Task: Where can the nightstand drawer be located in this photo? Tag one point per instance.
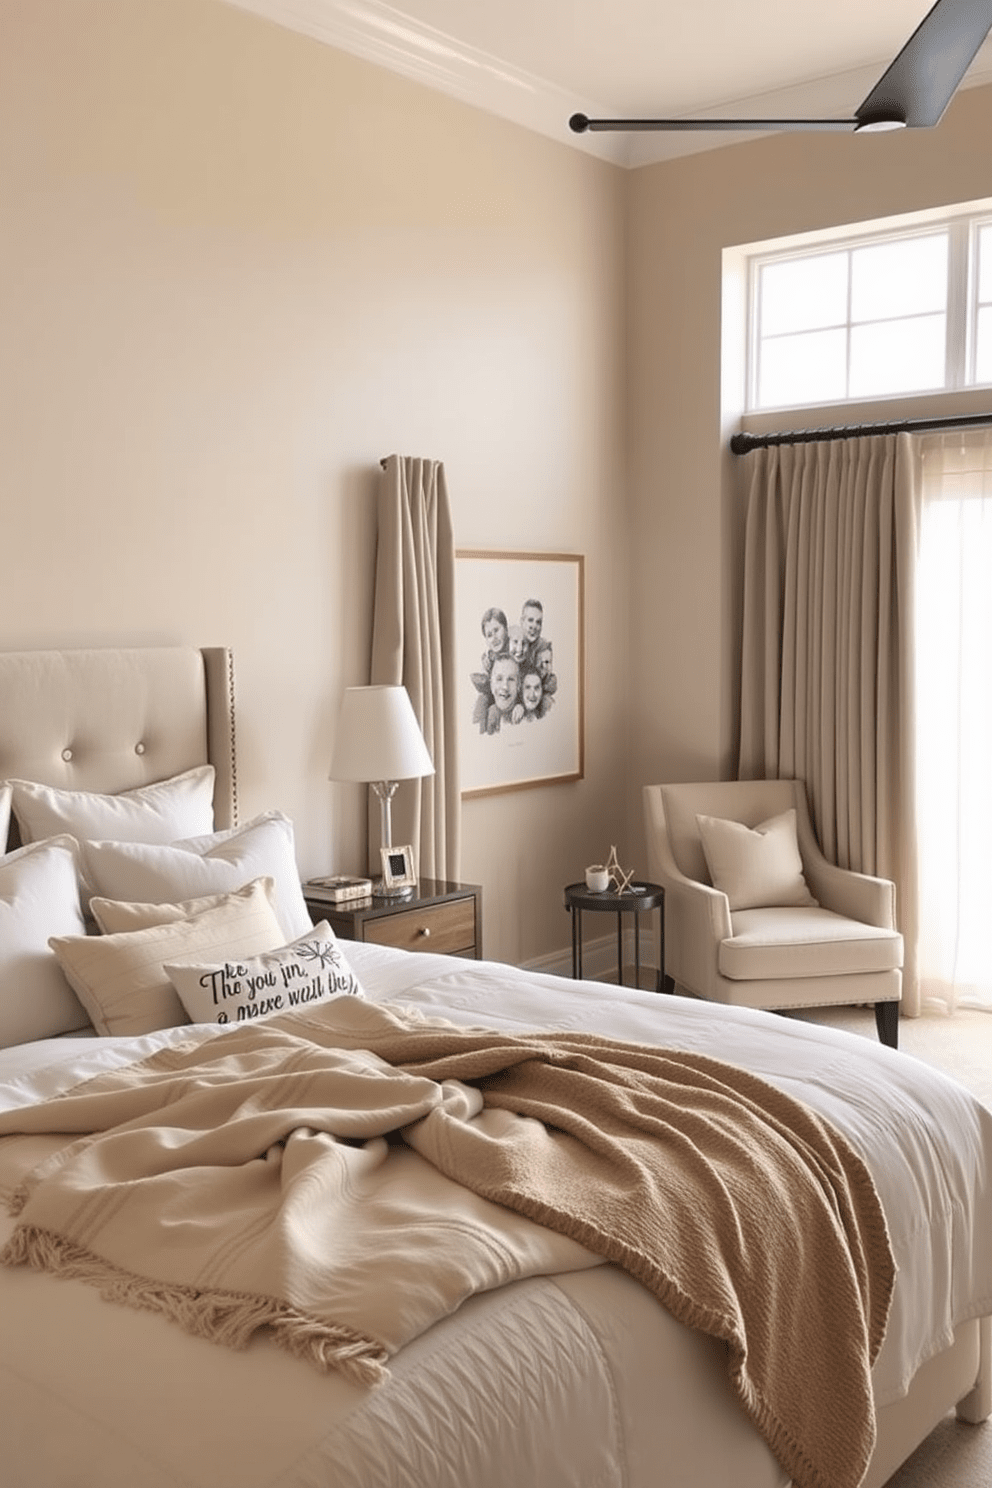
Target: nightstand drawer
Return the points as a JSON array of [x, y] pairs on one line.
[[442, 928]]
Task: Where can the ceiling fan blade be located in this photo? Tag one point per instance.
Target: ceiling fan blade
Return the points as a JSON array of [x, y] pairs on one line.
[[914, 90], [580, 123], [920, 83]]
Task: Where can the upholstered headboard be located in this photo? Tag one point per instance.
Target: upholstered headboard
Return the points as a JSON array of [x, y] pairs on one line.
[[111, 720]]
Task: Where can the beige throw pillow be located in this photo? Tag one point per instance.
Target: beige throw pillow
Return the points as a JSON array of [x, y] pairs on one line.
[[114, 915], [756, 867], [121, 981]]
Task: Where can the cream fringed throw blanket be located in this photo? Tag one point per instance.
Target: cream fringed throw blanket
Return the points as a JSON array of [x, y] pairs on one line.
[[281, 1176]]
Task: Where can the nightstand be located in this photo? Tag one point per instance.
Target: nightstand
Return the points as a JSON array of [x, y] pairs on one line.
[[442, 917]]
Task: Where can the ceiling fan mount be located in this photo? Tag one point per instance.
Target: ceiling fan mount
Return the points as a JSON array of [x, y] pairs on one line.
[[912, 93]]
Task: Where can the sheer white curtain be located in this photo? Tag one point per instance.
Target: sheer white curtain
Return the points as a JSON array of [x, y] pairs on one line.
[[954, 731]]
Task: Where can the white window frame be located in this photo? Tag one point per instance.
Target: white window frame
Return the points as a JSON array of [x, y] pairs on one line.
[[962, 227]]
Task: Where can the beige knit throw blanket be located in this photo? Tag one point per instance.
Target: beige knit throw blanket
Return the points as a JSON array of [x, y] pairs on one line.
[[334, 1176]]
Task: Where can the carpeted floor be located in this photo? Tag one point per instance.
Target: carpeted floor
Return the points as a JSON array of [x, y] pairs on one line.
[[955, 1455]]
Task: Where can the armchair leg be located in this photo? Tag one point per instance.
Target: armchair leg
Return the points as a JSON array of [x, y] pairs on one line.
[[887, 1023]]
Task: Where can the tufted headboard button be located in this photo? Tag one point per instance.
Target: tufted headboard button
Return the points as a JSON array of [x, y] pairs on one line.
[[67, 755], [139, 748]]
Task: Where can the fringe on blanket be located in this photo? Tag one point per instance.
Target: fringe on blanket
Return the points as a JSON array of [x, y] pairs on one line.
[[229, 1318]]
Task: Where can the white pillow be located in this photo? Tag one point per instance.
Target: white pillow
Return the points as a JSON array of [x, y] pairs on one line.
[[756, 867], [161, 812], [39, 897], [215, 864], [4, 816], [312, 969], [121, 980]]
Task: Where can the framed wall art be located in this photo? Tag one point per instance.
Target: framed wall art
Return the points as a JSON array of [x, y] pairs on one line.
[[520, 652]]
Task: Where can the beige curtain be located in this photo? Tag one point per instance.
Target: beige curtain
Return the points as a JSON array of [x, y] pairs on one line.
[[413, 643], [827, 666]]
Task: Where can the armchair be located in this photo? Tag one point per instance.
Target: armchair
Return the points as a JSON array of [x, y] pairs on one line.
[[839, 946]]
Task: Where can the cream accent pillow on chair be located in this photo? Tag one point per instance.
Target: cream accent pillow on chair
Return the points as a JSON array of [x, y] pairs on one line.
[[756, 867]]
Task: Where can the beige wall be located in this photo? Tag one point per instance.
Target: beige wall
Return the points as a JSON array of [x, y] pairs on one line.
[[685, 505], [236, 268]]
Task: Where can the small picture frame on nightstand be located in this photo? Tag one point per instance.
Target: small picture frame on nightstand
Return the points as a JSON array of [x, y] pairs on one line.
[[397, 869]]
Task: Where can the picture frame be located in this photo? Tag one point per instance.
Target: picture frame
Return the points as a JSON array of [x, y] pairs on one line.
[[398, 870], [520, 660]]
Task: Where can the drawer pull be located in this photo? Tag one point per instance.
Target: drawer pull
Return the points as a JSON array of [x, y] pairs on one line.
[[425, 931]]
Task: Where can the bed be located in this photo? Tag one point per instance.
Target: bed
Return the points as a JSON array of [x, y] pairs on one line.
[[568, 1373]]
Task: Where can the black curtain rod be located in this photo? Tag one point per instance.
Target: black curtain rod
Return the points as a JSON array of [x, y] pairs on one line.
[[740, 444]]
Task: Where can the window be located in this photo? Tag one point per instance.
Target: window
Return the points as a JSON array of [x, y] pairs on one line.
[[873, 316]]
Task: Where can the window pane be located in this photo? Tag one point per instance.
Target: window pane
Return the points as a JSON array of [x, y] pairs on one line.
[[983, 345], [898, 356], [800, 294], [802, 369], [985, 264], [906, 277]]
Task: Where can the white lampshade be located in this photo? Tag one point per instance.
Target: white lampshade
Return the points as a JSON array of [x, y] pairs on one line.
[[378, 737]]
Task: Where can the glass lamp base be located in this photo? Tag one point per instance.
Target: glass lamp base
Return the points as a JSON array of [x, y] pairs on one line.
[[380, 890]]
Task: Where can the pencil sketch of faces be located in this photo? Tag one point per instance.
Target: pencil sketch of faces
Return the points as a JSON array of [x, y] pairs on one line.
[[505, 682], [517, 680], [531, 691]]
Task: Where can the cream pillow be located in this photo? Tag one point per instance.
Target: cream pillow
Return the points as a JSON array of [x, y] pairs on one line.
[[756, 867], [39, 897], [121, 981], [215, 864], [113, 915], [161, 812], [310, 970]]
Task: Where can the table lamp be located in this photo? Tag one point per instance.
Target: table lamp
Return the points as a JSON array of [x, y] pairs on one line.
[[379, 742]]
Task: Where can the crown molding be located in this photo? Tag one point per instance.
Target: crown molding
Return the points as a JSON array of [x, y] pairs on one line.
[[383, 35]]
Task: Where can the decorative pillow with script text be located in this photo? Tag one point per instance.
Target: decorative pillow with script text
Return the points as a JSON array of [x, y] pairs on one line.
[[311, 969]]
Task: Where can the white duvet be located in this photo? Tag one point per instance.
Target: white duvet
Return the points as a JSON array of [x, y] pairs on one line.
[[571, 1380]]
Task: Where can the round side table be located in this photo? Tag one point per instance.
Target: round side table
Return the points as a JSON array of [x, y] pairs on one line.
[[637, 899]]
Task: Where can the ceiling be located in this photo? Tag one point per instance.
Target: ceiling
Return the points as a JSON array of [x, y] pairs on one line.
[[538, 61]]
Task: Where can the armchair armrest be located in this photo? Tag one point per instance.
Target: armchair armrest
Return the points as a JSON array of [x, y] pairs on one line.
[[858, 896], [697, 919]]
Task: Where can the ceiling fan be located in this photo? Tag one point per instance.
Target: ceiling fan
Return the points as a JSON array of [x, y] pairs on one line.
[[912, 92]]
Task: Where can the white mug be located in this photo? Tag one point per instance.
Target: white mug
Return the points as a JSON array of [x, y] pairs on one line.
[[597, 878]]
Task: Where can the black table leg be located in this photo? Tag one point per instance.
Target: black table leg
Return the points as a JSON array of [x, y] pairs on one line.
[[620, 947], [637, 951], [576, 943]]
